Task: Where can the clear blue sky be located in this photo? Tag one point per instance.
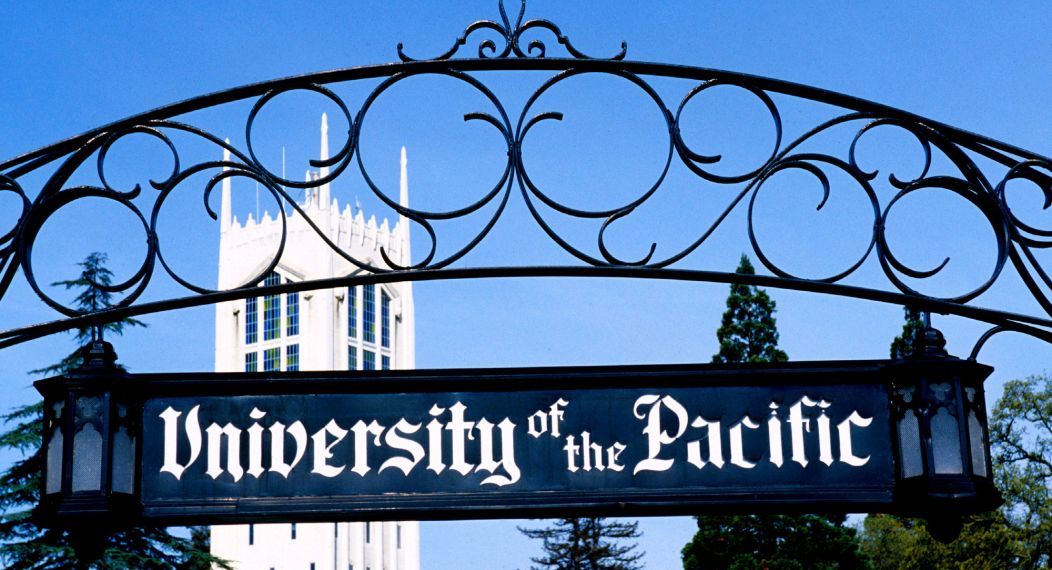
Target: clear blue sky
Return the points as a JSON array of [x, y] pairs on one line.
[[983, 67]]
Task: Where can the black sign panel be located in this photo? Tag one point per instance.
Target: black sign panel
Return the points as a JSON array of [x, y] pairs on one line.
[[469, 444]]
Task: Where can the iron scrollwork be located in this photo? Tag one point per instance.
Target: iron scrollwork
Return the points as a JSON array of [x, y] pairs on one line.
[[1016, 241], [512, 33]]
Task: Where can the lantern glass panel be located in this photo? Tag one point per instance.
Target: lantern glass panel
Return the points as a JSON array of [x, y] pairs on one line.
[[976, 435], [53, 484], [911, 459], [123, 472], [946, 443], [87, 445], [909, 445], [87, 459], [54, 463], [975, 441]]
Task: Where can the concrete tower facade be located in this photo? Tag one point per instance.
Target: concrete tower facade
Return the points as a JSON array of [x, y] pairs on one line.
[[357, 328]]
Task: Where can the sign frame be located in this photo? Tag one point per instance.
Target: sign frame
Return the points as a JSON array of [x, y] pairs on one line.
[[918, 496]]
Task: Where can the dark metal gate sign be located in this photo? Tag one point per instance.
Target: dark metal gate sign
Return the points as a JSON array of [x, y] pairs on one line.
[[516, 442]]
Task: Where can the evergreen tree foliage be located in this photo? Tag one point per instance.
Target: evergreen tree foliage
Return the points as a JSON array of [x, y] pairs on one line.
[[24, 544], [773, 542], [902, 346], [198, 556], [748, 333], [590, 543]]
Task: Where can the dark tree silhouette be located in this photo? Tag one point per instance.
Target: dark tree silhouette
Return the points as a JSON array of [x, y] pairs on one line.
[[749, 333], [591, 543], [902, 345], [24, 545]]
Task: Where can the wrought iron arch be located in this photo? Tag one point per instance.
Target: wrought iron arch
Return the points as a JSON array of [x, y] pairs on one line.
[[981, 184]]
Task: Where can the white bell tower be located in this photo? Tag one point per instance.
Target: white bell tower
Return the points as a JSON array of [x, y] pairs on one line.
[[361, 328]]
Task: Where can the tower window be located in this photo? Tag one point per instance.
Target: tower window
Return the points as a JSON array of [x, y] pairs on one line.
[[385, 362], [368, 360], [251, 534], [293, 531], [369, 313], [251, 362], [272, 359], [352, 312], [352, 357], [398, 536], [272, 310], [385, 319], [368, 532], [251, 320], [292, 314], [292, 357]]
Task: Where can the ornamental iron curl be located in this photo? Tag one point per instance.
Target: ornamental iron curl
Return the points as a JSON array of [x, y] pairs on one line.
[[983, 190], [512, 36]]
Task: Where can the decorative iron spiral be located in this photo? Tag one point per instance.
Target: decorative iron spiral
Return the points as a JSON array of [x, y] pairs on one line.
[[1016, 241]]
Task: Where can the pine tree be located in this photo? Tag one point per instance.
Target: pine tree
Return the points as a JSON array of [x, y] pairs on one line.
[[590, 543], [902, 345], [748, 333], [24, 544]]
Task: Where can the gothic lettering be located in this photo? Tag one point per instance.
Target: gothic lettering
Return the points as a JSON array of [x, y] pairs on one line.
[[664, 433], [171, 440], [656, 434]]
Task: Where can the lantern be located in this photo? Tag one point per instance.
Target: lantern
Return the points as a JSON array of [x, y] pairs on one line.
[[940, 430], [89, 444]]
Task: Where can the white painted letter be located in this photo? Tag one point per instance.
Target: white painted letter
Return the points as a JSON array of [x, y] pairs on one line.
[[171, 440], [395, 441], [434, 441], [774, 435], [537, 424], [591, 453], [656, 436], [233, 450], [556, 415], [737, 448], [798, 424], [571, 454], [825, 440], [715, 444], [612, 454], [361, 444], [846, 454], [507, 453], [277, 447], [255, 444], [323, 450], [461, 431]]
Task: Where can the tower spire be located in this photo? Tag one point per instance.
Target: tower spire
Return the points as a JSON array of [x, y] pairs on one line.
[[403, 201], [224, 203], [324, 155], [406, 341], [403, 182]]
